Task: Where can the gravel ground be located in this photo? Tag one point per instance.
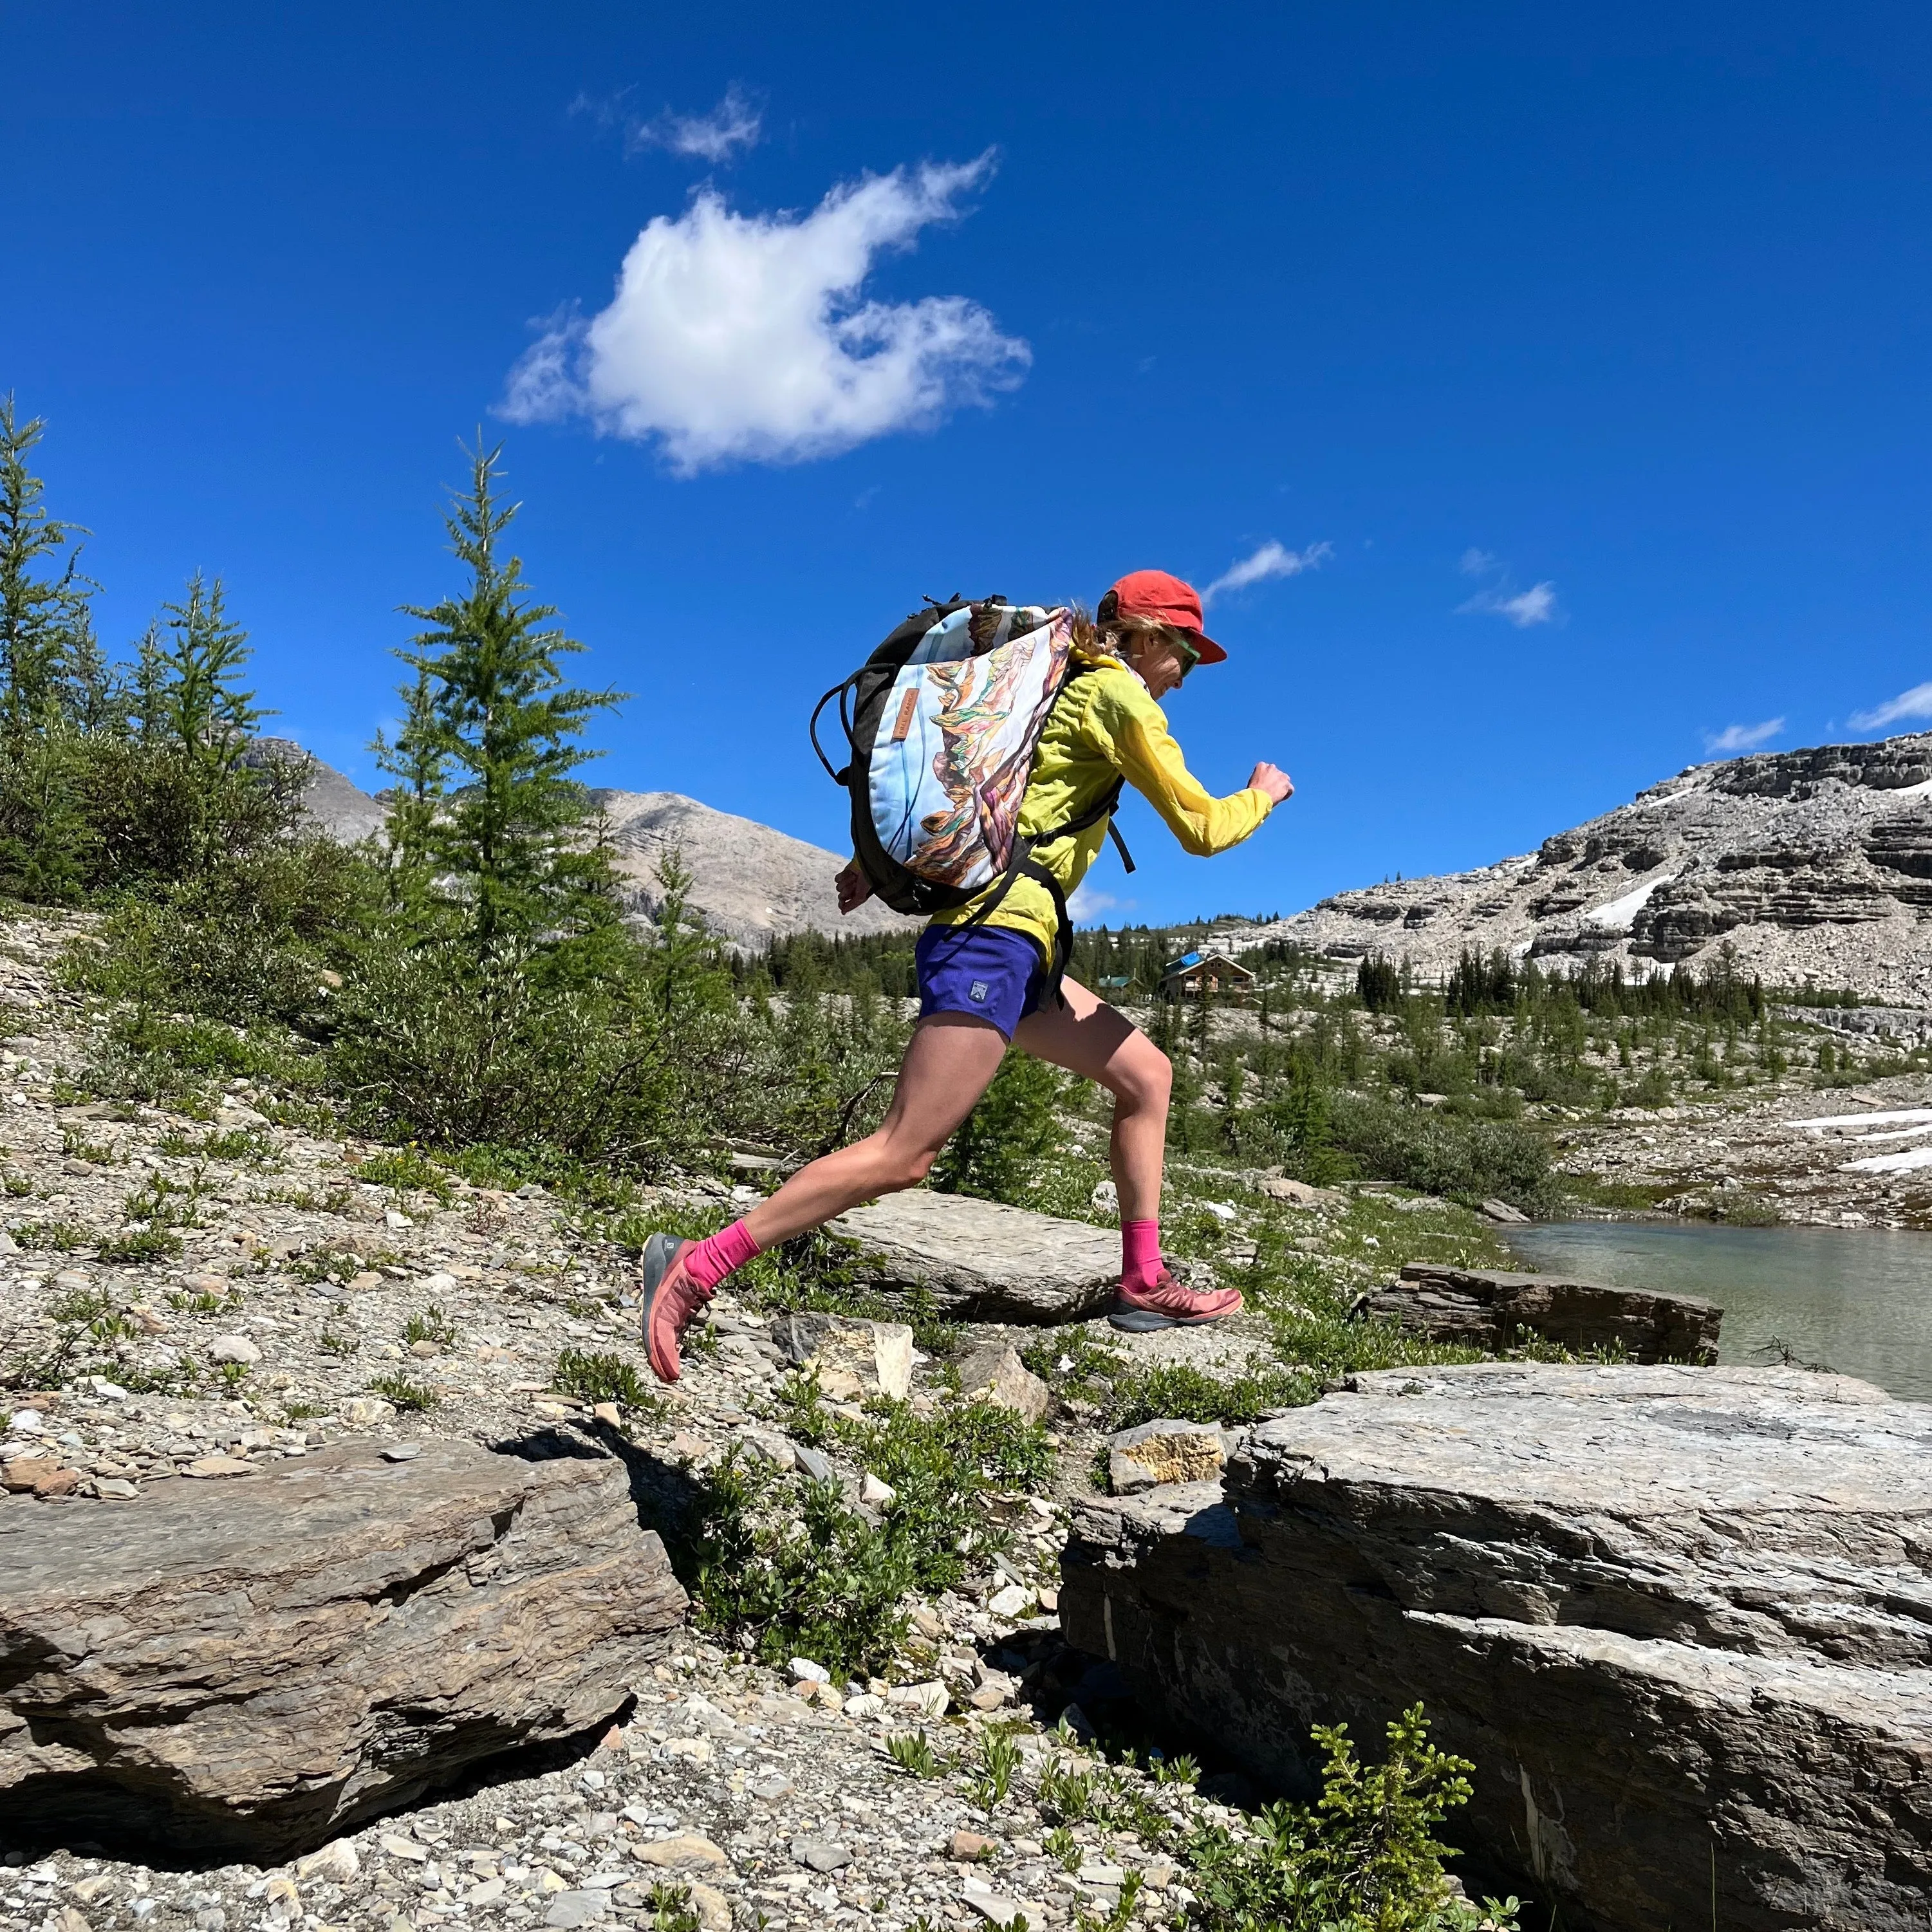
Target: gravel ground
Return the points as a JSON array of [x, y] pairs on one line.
[[772, 1798]]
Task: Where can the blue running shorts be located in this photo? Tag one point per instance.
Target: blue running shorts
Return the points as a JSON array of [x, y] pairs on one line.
[[986, 971]]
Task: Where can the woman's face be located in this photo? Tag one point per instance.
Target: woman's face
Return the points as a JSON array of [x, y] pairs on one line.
[[1161, 667]]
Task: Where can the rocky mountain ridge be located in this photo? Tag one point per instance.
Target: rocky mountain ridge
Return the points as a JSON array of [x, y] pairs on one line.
[[751, 884], [1809, 865]]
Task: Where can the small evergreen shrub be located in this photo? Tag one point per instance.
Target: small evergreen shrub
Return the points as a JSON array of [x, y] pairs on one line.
[[1364, 1858]]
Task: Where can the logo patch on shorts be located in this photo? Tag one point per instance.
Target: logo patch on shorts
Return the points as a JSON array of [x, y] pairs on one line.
[[977, 992]]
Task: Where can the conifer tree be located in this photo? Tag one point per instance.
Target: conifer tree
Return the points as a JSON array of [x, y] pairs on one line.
[[492, 711], [194, 700], [45, 634], [416, 760]]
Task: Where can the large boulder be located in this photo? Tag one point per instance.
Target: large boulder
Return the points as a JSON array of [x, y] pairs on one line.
[[1489, 1308], [1679, 1618], [981, 1261], [245, 1668]]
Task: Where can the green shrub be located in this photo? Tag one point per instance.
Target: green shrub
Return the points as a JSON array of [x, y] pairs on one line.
[[1441, 1153], [57, 1237], [785, 1566], [1184, 1394], [431, 1325], [595, 1378], [942, 1467], [410, 1397], [832, 1589], [151, 1244], [1364, 1858], [404, 1168]]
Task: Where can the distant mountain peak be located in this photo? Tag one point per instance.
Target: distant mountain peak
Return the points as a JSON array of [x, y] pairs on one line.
[[750, 884], [1809, 864]]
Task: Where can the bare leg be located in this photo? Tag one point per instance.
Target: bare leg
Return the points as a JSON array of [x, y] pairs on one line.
[[950, 1063], [1092, 1039]]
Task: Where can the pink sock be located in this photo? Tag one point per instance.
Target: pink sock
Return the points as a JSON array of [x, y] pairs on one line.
[[718, 1255], [1140, 1252]]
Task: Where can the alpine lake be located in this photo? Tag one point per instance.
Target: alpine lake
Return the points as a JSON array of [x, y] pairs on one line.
[[1856, 1300]]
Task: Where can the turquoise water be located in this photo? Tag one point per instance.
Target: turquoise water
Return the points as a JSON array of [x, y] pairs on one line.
[[1857, 1300]]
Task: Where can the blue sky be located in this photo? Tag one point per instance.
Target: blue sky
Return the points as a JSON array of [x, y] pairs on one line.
[[1578, 354]]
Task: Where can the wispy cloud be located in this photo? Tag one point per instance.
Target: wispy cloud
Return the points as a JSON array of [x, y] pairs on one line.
[[747, 338], [1087, 905], [1271, 560], [1736, 738], [1916, 703], [1500, 597], [737, 121]]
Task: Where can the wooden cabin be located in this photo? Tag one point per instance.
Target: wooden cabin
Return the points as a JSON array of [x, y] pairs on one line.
[[1207, 975]]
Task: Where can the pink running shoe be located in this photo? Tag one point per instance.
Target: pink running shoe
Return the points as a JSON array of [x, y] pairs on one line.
[[1164, 1303], [671, 1298]]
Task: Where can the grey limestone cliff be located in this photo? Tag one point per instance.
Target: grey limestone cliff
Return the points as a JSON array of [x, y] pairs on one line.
[[1808, 864]]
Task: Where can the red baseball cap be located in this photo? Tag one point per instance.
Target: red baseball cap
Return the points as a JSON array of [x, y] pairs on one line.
[[1167, 600]]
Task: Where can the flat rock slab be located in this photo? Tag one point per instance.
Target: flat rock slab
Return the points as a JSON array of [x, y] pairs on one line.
[[981, 1261], [1489, 1308], [1668, 1612], [246, 1668]]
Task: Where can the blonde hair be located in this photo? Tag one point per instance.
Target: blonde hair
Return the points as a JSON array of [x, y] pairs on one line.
[[1106, 634]]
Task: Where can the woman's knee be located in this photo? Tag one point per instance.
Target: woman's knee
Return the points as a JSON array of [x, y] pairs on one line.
[[1142, 1076]]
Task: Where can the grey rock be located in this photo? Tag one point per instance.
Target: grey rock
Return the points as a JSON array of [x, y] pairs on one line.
[[983, 1261], [247, 1669], [815, 1463], [997, 1909], [1501, 1210], [571, 1909], [853, 1358], [821, 1854], [1155, 1452], [1664, 1609], [1487, 1308], [994, 1372]]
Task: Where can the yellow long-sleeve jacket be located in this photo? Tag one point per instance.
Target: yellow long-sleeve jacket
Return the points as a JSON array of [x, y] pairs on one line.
[[1105, 725]]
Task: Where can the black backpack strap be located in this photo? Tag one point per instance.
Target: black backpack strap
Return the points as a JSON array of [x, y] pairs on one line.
[[1023, 865], [843, 692]]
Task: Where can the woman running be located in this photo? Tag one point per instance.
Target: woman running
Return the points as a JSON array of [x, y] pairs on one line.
[[986, 986]]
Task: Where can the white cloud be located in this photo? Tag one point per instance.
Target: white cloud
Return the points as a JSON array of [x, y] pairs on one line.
[[735, 122], [1522, 608], [1271, 560], [1736, 738], [1916, 703], [744, 337], [1536, 605], [1087, 903]]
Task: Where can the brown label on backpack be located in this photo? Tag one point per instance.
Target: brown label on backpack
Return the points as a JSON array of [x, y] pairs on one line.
[[908, 705]]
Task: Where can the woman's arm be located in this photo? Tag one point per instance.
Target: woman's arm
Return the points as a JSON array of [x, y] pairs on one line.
[[1132, 730]]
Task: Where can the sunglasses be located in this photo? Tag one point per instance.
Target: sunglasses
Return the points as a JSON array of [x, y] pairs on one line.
[[1189, 656]]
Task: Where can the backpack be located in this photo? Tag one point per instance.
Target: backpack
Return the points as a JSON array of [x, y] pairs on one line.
[[943, 720]]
